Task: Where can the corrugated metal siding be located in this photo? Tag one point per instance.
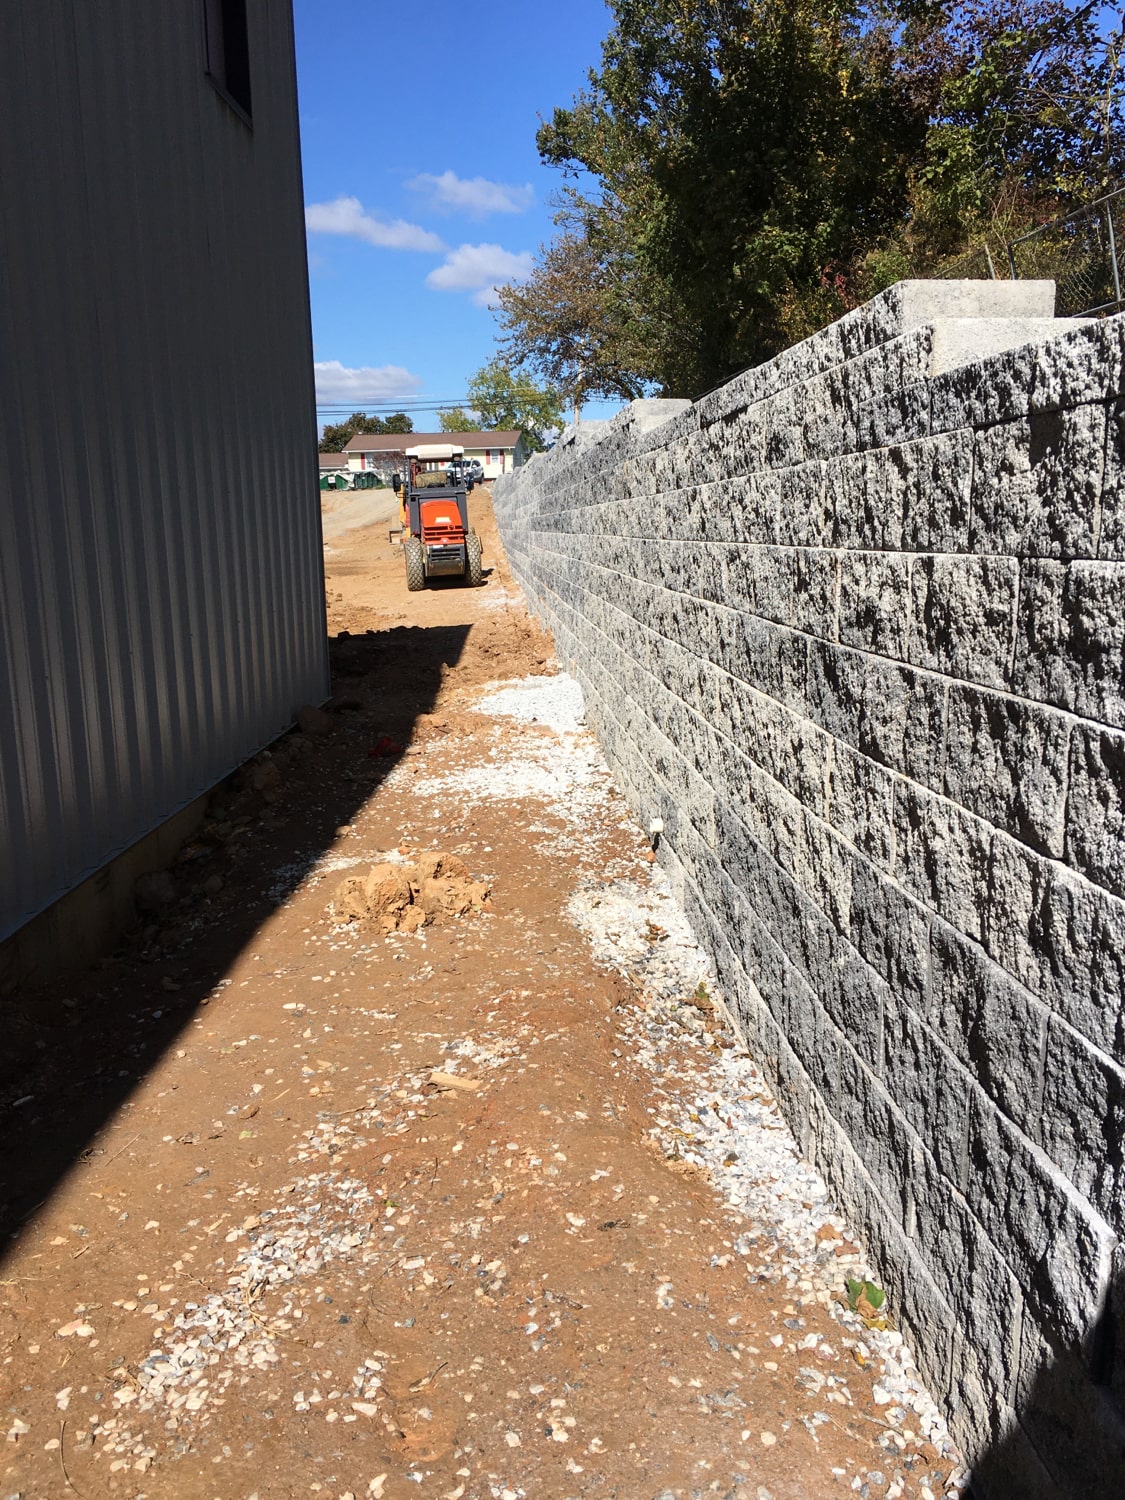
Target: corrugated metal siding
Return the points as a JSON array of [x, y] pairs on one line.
[[161, 585]]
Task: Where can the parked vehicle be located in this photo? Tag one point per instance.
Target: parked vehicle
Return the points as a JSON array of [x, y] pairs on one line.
[[434, 494]]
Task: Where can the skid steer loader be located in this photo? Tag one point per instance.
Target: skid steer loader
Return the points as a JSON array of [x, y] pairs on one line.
[[434, 495]]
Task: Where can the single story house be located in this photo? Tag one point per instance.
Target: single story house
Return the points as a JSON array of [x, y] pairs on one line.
[[385, 452], [333, 463]]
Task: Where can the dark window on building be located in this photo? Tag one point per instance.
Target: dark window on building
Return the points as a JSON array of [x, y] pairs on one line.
[[228, 50]]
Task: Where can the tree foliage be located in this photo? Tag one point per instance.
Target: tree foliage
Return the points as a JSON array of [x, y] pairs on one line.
[[457, 419], [569, 324], [506, 401], [1026, 118], [738, 172], [336, 434]]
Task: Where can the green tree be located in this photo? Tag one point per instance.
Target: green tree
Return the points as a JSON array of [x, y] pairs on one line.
[[739, 172], [336, 434], [457, 419], [740, 149], [565, 323], [509, 401], [1026, 118], [397, 422]]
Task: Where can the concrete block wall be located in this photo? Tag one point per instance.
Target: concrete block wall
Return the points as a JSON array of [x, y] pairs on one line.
[[853, 626]]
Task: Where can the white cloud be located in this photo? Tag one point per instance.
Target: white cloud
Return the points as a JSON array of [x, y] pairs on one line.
[[480, 269], [335, 382], [475, 196], [346, 216]]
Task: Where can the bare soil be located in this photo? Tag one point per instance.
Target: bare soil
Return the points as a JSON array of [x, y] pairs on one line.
[[308, 1208]]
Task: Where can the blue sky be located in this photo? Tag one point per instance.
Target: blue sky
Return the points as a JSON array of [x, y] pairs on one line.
[[422, 183]]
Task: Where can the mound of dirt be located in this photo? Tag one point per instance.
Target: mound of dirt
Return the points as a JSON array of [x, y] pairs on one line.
[[404, 897]]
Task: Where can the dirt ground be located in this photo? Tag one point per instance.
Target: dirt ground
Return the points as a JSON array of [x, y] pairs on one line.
[[305, 1207]]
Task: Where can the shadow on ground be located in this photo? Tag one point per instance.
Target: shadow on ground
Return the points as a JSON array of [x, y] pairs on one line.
[[74, 1050]]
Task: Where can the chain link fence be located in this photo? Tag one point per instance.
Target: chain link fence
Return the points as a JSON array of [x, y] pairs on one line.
[[1078, 252]]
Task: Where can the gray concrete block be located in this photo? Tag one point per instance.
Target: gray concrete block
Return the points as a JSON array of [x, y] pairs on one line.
[[815, 605], [1071, 637], [1052, 1240], [993, 390], [932, 1089], [888, 712], [771, 658], [824, 870], [646, 416], [762, 581], [892, 932], [894, 416], [863, 515], [963, 616], [1011, 1465], [1111, 535], [1013, 922], [1083, 1125], [1109, 1367], [875, 602], [860, 802], [856, 997], [930, 483], [1079, 935], [891, 1151], [973, 1278], [1006, 761], [942, 857], [805, 506], [1095, 809], [1037, 485], [1085, 364], [990, 1024]]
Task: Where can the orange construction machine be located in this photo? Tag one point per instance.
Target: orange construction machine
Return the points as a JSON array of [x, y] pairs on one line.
[[434, 495]]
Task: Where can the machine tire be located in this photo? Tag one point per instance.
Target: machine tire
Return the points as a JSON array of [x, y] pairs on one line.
[[474, 577], [415, 564]]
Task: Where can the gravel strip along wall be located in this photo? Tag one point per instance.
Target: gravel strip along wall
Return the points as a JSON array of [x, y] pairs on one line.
[[852, 627]]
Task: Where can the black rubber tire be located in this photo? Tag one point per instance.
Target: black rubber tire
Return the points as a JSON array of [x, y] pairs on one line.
[[474, 576], [415, 564]]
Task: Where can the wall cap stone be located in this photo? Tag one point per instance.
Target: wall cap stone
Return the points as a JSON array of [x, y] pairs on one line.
[[959, 341]]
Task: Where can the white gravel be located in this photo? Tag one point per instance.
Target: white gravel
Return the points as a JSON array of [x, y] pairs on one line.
[[556, 702]]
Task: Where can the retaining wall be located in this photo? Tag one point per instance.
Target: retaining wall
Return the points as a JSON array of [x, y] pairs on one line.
[[853, 626]]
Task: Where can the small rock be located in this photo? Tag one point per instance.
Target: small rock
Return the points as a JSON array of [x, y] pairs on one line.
[[156, 891], [265, 776], [78, 1328], [213, 885], [312, 720], [448, 1081]]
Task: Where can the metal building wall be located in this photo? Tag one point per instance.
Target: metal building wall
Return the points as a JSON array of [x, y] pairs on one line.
[[161, 585]]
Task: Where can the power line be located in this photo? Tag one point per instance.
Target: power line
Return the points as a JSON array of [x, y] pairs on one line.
[[357, 403]]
